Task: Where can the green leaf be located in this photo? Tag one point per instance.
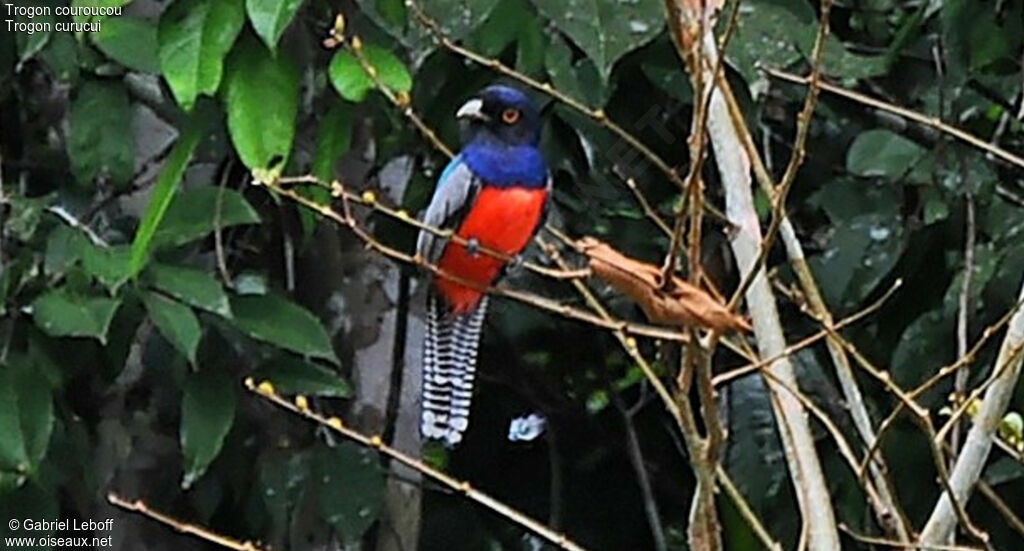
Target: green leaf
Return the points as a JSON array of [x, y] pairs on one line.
[[295, 376], [251, 283], [928, 342], [162, 196], [754, 456], [30, 44], [606, 30], [867, 240], [271, 17], [393, 11], [96, 4], [779, 33], [194, 287], [60, 314], [207, 412], [457, 19], [130, 41], [109, 265], [351, 489], [64, 247], [559, 66], [194, 37], [333, 139], [283, 323], [100, 142], [283, 478], [193, 214], [262, 103], [26, 214], [496, 32], [176, 322], [530, 50], [661, 66], [352, 81], [13, 455], [61, 55], [1003, 470], [26, 416], [881, 152]]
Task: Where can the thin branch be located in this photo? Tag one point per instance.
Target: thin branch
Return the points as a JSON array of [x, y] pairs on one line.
[[942, 373], [644, 203], [301, 408], [345, 218], [678, 406], [218, 237], [892, 517], [964, 308], [1005, 510], [899, 544], [922, 418], [745, 511], [636, 458], [740, 371], [139, 506], [692, 56], [70, 220], [369, 199], [971, 461], [796, 159], [932, 122], [808, 478]]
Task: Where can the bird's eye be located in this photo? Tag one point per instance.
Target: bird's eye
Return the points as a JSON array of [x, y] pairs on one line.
[[510, 116]]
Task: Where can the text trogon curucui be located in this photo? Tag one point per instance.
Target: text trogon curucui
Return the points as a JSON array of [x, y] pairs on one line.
[[493, 194]]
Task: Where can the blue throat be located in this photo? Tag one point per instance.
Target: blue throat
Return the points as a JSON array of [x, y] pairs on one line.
[[506, 166]]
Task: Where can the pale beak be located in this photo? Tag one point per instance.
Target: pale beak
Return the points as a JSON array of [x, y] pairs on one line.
[[472, 109]]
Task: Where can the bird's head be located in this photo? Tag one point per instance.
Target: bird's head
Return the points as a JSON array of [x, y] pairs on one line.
[[500, 113]]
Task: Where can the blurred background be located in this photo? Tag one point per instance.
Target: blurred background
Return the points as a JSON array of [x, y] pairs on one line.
[[144, 278]]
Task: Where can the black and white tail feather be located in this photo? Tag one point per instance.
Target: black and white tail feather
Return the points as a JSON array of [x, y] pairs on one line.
[[450, 347], [449, 369]]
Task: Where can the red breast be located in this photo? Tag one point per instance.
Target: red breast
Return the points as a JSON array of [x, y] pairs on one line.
[[501, 219]]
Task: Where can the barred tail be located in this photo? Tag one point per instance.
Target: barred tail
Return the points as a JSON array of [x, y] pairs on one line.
[[449, 368]]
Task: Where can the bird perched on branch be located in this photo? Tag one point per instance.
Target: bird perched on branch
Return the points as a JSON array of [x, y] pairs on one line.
[[493, 194]]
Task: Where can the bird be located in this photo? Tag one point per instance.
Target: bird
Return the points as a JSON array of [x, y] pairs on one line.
[[494, 195]]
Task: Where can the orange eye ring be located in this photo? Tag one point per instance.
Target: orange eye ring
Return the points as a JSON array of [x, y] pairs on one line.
[[510, 116]]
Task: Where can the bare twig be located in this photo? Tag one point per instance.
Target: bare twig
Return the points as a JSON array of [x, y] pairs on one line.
[[300, 407], [922, 418], [899, 544], [964, 307], [139, 506], [796, 159], [70, 220], [808, 478], [745, 511], [892, 517], [971, 460], [678, 406], [644, 203], [1004, 509], [932, 122], [636, 458], [218, 238]]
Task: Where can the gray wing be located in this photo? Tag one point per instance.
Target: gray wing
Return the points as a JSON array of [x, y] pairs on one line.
[[455, 193]]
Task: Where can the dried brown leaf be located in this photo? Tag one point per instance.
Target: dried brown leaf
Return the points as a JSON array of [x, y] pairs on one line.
[[682, 304]]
